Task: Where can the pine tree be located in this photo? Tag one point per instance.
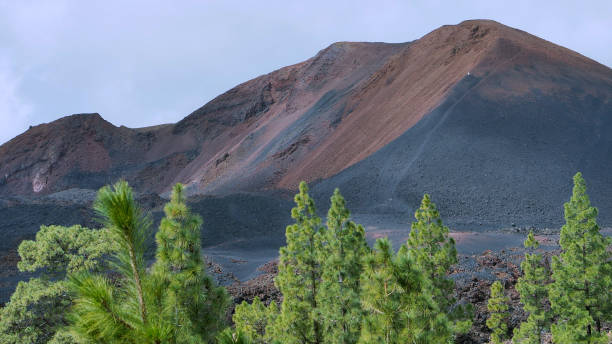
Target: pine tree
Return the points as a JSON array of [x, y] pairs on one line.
[[254, 320], [581, 294], [142, 307], [196, 306], [58, 250], [37, 309], [340, 308], [299, 275], [35, 312], [228, 336], [498, 313], [533, 289], [391, 289], [102, 312], [433, 253]]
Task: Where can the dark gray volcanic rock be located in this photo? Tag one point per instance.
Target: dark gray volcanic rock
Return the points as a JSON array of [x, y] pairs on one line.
[[243, 221], [20, 220], [491, 162], [236, 222]]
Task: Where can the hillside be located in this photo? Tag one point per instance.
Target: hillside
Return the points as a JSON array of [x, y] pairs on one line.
[[490, 120]]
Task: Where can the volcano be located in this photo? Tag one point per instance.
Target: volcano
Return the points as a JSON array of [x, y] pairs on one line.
[[490, 120]]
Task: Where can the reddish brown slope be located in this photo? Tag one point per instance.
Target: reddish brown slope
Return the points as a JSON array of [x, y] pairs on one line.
[[503, 145], [85, 151], [412, 83], [258, 131], [308, 121], [328, 113], [38, 158]]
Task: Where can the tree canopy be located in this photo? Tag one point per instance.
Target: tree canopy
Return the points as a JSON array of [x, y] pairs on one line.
[[581, 294], [162, 306], [36, 310]]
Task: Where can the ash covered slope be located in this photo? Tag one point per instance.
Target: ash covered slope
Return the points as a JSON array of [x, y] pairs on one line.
[[246, 139], [313, 120], [503, 146], [490, 120], [258, 135]]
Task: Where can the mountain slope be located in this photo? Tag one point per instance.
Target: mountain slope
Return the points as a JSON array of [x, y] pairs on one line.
[[489, 163], [502, 147], [491, 121], [481, 115], [255, 125], [85, 151]]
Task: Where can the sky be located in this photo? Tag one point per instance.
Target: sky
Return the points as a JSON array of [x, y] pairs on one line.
[[141, 63]]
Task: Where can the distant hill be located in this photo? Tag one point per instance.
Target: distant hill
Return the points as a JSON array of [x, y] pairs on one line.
[[490, 120]]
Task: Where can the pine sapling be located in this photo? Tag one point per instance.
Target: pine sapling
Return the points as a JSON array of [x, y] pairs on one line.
[[433, 252], [498, 313], [299, 275], [533, 290], [342, 255]]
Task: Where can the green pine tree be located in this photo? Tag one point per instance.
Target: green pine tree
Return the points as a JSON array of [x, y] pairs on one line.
[[35, 312], [498, 313], [228, 336], [434, 252], [254, 320], [533, 289], [299, 275], [340, 308], [391, 292], [195, 305], [58, 250], [143, 307], [102, 311], [581, 294], [37, 309]]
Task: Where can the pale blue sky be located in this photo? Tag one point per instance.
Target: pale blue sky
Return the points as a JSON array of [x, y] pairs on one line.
[[151, 62]]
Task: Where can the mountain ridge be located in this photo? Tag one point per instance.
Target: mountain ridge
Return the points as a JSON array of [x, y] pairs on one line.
[[308, 121]]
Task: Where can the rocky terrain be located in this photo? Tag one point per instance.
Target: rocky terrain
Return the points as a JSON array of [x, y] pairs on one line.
[[489, 120]]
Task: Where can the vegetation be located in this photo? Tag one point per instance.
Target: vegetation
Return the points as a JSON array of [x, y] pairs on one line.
[[391, 289], [581, 294], [299, 275], [498, 313], [433, 253], [37, 308], [335, 288], [227, 336], [195, 305], [255, 319], [175, 303], [533, 289], [574, 297], [342, 262]]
